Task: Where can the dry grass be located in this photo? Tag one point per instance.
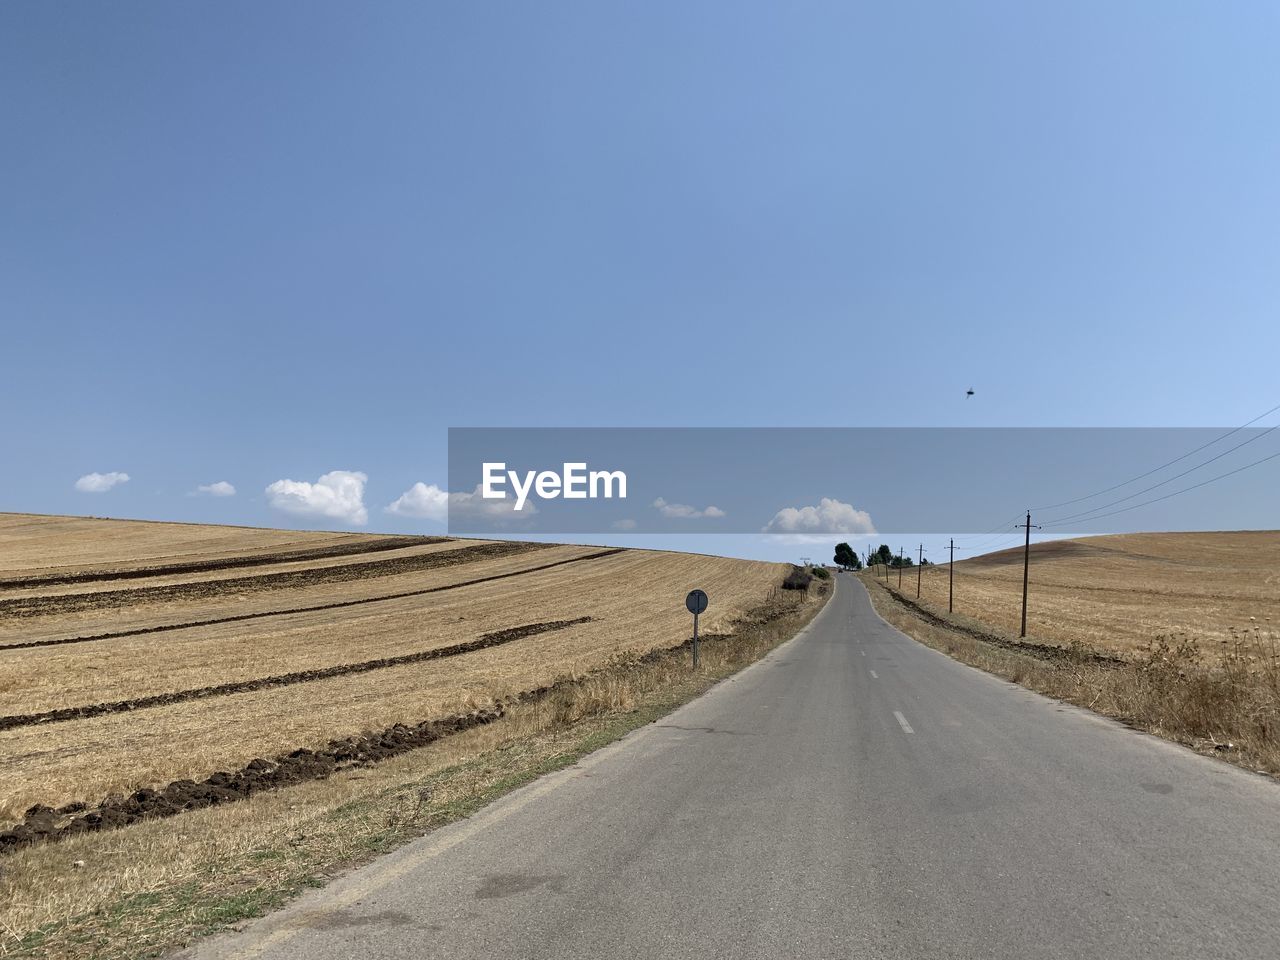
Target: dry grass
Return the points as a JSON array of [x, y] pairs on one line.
[[265, 565], [158, 884], [41, 544], [1222, 698], [635, 600], [147, 615], [1119, 593]]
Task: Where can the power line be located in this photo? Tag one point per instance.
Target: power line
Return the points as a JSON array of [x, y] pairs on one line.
[[996, 530], [1195, 486], [1026, 570], [1143, 476], [1177, 476], [987, 542]]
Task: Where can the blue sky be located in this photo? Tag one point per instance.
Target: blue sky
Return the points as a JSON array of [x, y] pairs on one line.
[[253, 242]]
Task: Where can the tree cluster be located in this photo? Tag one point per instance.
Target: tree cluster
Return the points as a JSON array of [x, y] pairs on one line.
[[847, 558]]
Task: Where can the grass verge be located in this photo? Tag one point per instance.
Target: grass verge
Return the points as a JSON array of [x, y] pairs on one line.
[[147, 889], [1227, 705]]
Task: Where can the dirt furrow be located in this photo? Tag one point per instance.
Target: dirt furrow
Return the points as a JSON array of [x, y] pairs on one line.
[[212, 566], [42, 823], [20, 607], [336, 605], [1041, 651], [494, 639]]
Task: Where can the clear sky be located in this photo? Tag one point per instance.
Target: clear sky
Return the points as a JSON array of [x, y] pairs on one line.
[[252, 242]]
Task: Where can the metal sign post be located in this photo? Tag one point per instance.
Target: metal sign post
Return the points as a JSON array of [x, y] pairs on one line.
[[695, 603]]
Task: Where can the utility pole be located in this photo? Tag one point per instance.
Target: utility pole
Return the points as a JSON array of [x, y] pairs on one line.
[[901, 557], [919, 571], [951, 583], [1026, 566]]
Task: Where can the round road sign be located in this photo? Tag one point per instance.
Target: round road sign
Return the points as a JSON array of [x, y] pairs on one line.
[[696, 601]]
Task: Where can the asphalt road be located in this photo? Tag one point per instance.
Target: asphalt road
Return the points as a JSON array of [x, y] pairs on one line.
[[855, 794]]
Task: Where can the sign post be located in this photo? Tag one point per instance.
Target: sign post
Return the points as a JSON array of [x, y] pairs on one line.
[[695, 603]]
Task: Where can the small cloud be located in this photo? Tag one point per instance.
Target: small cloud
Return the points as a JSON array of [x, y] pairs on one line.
[[422, 501], [219, 489], [623, 525], [683, 511], [338, 495], [474, 506], [100, 482], [426, 501], [829, 516]]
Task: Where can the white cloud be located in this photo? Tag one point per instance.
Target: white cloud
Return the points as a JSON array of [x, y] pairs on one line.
[[100, 482], [829, 516], [464, 506], [338, 495], [683, 511], [219, 489], [623, 525], [810, 539], [426, 501], [422, 501]]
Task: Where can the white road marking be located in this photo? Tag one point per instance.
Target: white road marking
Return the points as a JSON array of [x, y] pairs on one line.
[[902, 721], [874, 675]]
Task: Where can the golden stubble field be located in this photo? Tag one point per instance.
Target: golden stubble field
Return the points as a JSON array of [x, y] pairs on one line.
[[180, 607], [1121, 593]]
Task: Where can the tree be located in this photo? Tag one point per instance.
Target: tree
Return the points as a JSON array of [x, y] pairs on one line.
[[882, 555], [845, 558]]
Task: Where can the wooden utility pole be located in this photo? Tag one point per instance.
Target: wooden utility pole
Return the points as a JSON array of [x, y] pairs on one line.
[[902, 556], [919, 571], [951, 581], [1026, 567]]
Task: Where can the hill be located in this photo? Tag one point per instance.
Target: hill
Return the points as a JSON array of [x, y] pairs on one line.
[[137, 654], [1121, 592]]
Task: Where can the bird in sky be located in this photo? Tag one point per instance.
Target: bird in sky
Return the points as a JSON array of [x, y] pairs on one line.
[[968, 393]]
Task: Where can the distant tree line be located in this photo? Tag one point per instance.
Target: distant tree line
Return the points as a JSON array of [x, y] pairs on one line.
[[883, 556], [847, 558]]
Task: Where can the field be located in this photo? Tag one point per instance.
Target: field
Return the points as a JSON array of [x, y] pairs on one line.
[[138, 654], [1120, 594], [1173, 633]]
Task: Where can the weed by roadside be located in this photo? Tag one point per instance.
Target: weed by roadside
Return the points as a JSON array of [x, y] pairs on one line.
[[1227, 705], [139, 892]]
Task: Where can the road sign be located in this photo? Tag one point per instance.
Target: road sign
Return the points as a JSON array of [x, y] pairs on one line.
[[696, 602]]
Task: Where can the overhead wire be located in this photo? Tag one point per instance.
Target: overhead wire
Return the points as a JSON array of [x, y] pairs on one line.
[[1167, 496], [1153, 470]]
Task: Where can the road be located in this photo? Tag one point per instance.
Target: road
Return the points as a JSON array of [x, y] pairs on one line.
[[855, 794]]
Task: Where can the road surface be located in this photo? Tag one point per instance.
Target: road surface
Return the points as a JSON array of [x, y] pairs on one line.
[[855, 794]]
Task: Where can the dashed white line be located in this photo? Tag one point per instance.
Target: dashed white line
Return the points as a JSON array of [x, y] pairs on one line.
[[874, 675], [902, 721]]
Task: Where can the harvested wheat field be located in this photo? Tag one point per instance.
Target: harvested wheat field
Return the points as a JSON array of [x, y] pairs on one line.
[[136, 654], [1121, 593]]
